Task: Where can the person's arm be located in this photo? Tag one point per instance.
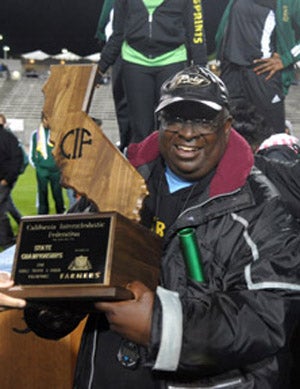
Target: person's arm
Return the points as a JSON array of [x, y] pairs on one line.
[[112, 48], [286, 178], [287, 41], [131, 318], [32, 149], [238, 316], [233, 319], [103, 20], [195, 33], [288, 32], [270, 65], [15, 160]]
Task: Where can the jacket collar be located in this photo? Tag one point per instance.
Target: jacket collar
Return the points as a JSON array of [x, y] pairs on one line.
[[231, 173]]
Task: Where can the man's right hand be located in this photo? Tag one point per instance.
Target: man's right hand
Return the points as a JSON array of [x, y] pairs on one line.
[[270, 65]]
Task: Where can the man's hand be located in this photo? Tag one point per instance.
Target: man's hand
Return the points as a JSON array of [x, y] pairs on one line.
[[98, 78], [131, 318], [271, 65], [7, 302]]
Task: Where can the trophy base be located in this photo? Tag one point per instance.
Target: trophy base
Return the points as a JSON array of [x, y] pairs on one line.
[[87, 257], [88, 293]]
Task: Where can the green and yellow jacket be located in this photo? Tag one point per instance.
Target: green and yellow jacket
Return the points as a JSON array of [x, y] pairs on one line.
[[287, 36]]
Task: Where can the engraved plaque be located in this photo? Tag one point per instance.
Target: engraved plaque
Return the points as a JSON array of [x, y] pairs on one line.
[[83, 257]]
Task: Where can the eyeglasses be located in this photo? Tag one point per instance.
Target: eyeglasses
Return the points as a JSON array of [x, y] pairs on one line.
[[201, 127]]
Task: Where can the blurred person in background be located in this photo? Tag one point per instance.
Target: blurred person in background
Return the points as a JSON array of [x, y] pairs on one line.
[[258, 43], [11, 160], [156, 39], [47, 172], [103, 32]]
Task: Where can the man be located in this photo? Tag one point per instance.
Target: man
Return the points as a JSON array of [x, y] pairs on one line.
[[231, 330], [11, 160], [258, 43], [41, 158]]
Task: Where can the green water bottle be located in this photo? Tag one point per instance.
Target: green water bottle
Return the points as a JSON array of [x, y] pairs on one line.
[[191, 253]]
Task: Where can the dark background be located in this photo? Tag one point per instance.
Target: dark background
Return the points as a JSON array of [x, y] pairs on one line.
[[51, 25]]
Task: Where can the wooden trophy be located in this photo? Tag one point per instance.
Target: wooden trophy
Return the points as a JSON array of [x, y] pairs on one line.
[[85, 256]]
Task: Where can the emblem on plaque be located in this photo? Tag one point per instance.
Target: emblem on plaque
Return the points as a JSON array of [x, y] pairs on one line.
[[80, 263]]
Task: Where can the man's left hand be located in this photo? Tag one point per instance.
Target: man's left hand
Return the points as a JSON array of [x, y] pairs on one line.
[[131, 318], [270, 65], [8, 302]]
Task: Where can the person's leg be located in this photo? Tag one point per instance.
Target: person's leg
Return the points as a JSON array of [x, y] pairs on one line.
[[139, 82], [120, 102], [267, 96], [42, 183], [231, 75], [6, 233], [163, 73], [13, 210], [57, 192]]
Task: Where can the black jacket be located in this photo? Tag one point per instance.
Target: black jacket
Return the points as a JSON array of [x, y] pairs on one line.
[[11, 157], [233, 329], [286, 177], [175, 22]]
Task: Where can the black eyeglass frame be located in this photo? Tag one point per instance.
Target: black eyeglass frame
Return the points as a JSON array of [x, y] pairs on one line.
[[176, 124]]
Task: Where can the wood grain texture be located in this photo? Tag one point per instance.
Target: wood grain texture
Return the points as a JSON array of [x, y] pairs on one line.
[[30, 362], [89, 162]]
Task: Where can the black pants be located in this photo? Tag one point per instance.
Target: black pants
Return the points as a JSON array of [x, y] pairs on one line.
[[121, 105], [142, 87], [266, 96], [6, 232]]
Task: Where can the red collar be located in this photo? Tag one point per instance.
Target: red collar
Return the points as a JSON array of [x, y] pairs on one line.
[[232, 171]]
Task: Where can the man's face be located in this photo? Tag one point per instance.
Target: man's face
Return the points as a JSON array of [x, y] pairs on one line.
[[189, 153]]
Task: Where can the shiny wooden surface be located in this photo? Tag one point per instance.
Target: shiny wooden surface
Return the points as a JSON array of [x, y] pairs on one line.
[[89, 162], [30, 362]]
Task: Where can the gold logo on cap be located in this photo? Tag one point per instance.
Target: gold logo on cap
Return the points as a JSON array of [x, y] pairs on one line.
[[189, 79]]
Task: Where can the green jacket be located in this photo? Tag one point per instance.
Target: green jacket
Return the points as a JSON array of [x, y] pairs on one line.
[[103, 20], [287, 36], [37, 160]]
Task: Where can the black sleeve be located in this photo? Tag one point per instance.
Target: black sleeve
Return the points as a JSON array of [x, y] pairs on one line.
[[195, 34], [286, 177], [112, 48], [15, 161]]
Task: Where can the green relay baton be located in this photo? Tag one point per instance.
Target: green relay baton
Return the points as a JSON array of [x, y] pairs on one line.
[[191, 253]]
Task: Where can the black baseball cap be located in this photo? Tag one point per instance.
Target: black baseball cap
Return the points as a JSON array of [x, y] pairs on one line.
[[194, 84]]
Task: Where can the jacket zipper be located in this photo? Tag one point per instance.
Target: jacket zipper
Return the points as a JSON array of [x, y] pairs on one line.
[[150, 20], [208, 200], [171, 230]]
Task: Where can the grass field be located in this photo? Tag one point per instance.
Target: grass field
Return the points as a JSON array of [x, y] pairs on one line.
[[24, 195]]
